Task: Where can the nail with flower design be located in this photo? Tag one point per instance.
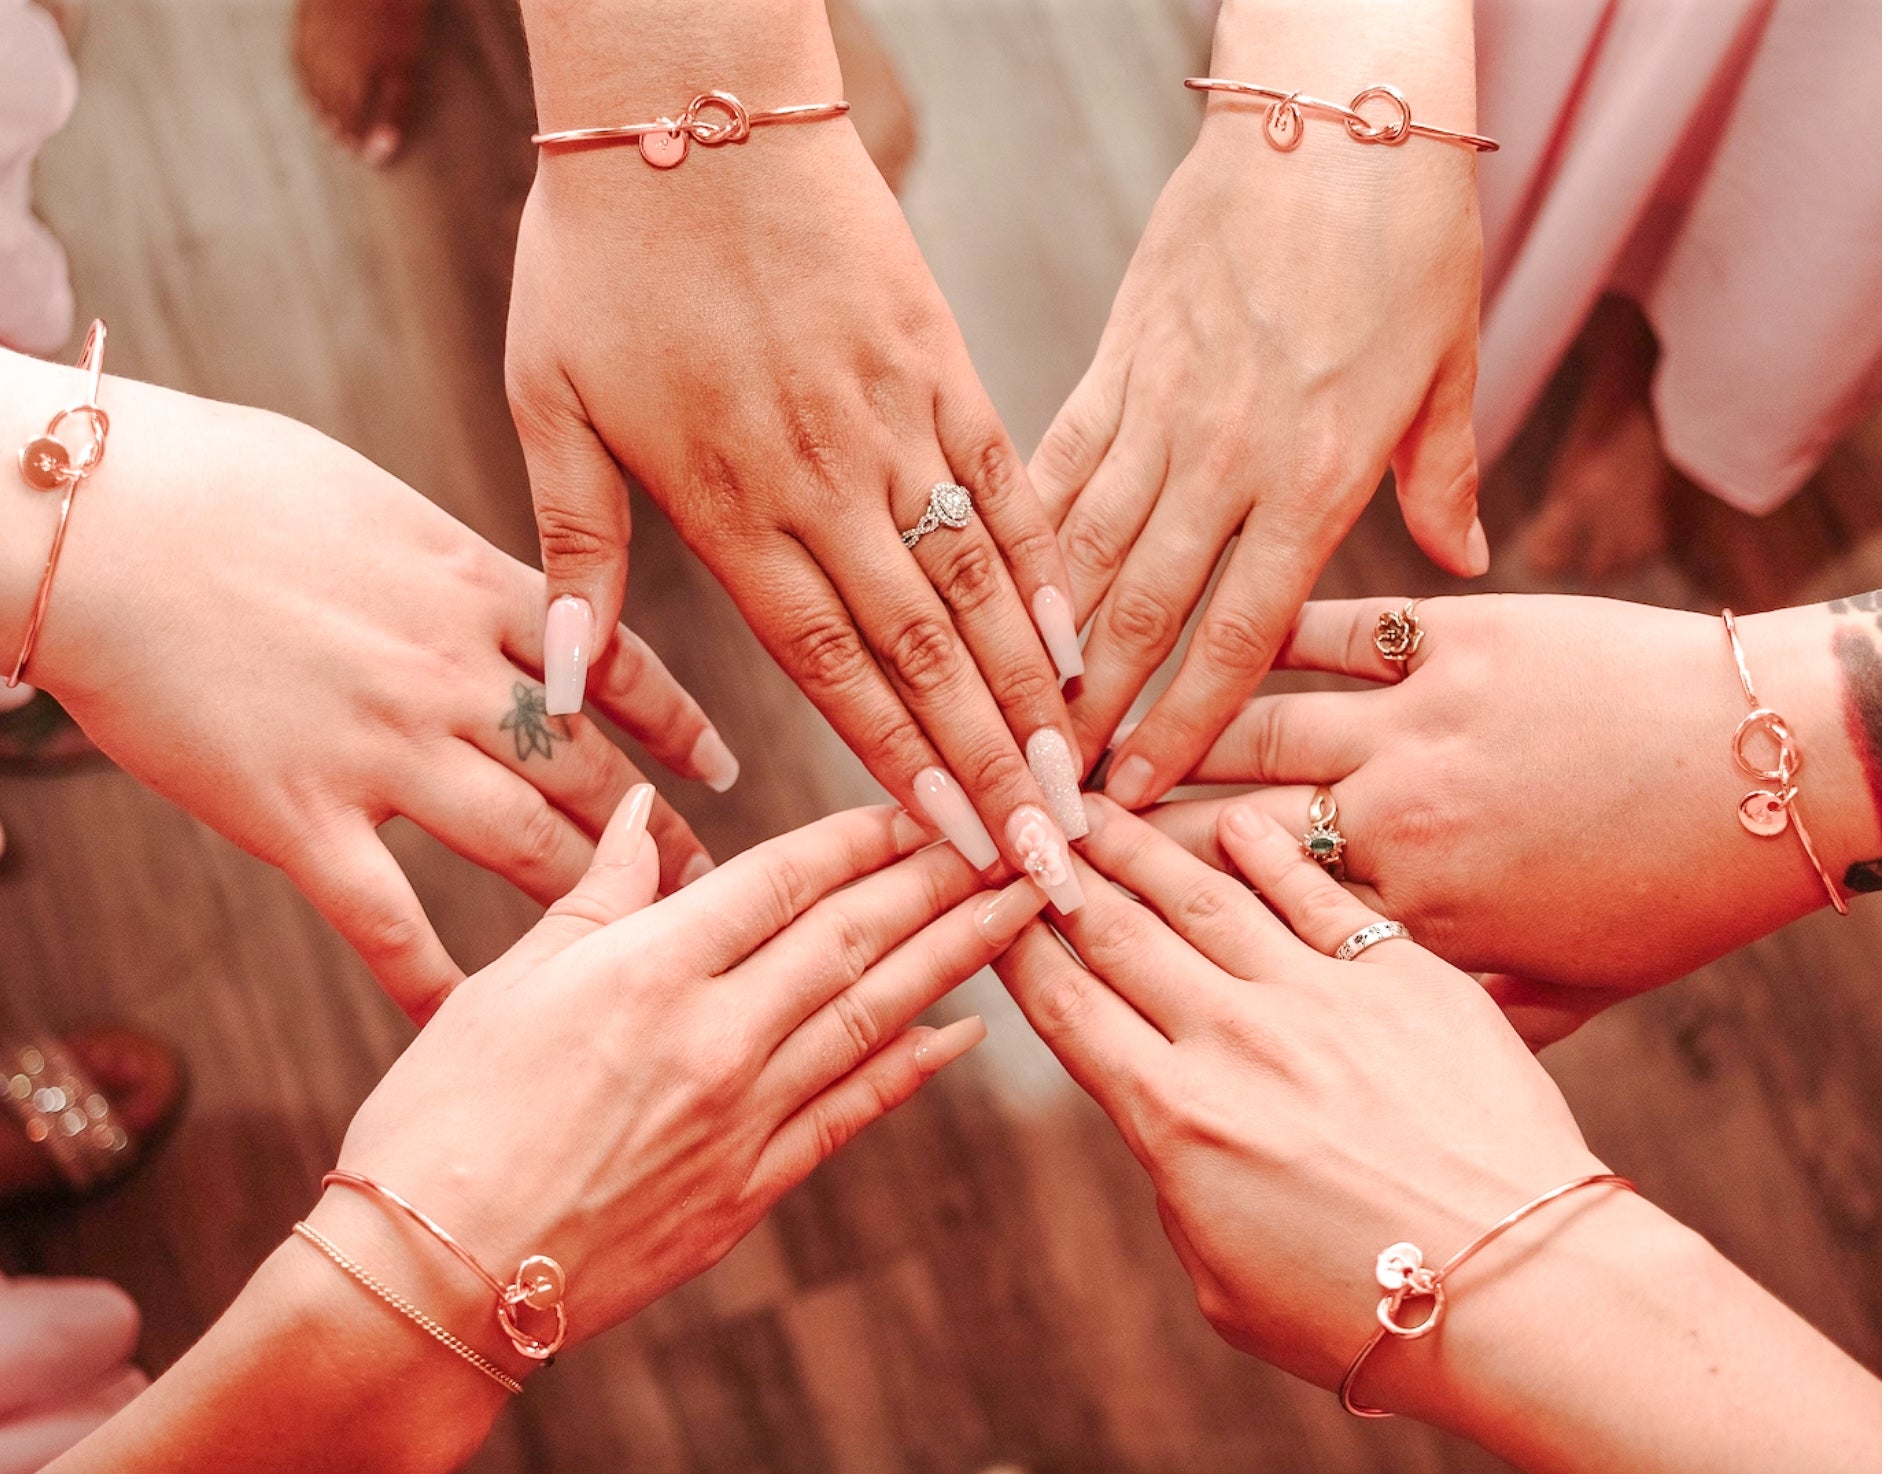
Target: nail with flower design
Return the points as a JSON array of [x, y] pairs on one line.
[[1045, 856]]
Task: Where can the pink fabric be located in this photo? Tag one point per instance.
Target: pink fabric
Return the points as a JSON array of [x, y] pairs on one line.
[[65, 1348], [38, 88], [1715, 160]]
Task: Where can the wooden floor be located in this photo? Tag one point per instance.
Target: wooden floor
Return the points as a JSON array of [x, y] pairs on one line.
[[982, 1278]]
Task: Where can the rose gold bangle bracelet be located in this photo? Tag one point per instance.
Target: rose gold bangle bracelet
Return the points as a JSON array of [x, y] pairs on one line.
[[1768, 812], [712, 120], [540, 1282], [1402, 1274], [1283, 122], [48, 464]]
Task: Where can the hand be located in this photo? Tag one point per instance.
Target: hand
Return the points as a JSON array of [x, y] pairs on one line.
[[1290, 324], [632, 1087], [1295, 1114], [1549, 793], [295, 647], [754, 336]]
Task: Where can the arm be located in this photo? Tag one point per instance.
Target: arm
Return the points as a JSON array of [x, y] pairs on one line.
[[754, 337], [1298, 1114], [295, 646], [1291, 324]]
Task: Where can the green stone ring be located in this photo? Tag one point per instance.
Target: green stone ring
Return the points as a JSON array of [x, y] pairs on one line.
[[1323, 843]]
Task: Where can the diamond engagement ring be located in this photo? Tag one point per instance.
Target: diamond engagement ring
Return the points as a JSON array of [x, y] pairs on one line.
[[1371, 936], [949, 506]]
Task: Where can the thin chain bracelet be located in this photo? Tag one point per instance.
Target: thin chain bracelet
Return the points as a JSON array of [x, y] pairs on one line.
[[1284, 125], [1768, 812], [1402, 1273], [410, 1311], [712, 120]]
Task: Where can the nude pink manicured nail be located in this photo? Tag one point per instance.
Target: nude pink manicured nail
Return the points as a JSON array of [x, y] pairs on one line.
[[696, 868], [947, 808], [568, 635], [714, 762], [1052, 612], [1129, 786], [945, 1045], [1003, 915], [1049, 756], [1045, 856]]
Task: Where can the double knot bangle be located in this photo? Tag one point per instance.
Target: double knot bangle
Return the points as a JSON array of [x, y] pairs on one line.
[[1284, 122], [1769, 810], [539, 1285], [1402, 1273], [712, 120], [47, 463]]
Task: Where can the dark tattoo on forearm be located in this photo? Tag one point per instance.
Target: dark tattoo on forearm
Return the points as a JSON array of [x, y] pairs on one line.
[[530, 724], [1857, 653]]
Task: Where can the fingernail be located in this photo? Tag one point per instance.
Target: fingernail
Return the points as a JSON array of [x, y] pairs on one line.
[[1240, 819], [1049, 756], [910, 834], [1477, 549], [1052, 612], [568, 632], [380, 145], [945, 1045], [620, 841], [713, 761], [940, 798], [1043, 855], [1093, 806], [1131, 781], [694, 868], [1003, 916]]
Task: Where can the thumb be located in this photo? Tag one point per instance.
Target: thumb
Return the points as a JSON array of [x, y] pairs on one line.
[[584, 526], [1436, 469], [623, 878]]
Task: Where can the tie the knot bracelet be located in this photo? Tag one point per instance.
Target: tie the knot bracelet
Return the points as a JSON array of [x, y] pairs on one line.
[[712, 120], [1283, 124], [1402, 1273], [1768, 811]]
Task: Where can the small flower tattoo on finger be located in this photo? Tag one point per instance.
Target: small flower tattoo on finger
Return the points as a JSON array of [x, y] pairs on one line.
[[529, 724]]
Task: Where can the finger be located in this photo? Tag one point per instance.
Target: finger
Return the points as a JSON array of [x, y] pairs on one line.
[[1546, 1013], [940, 957], [983, 457], [730, 913], [496, 819], [1098, 531], [582, 521], [1436, 470], [877, 1086], [1338, 635], [1109, 1048], [1138, 623], [1300, 737], [1193, 823], [818, 959], [909, 628], [352, 880], [622, 878], [1267, 578], [1215, 914], [964, 566], [1079, 437], [1322, 913]]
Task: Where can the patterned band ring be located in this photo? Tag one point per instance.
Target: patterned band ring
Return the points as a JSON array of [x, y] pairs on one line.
[[1371, 936], [949, 506]]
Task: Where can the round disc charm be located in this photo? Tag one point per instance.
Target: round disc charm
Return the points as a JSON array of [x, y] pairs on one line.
[[1283, 126], [1764, 813], [544, 1282], [45, 463], [664, 150], [1395, 1265]]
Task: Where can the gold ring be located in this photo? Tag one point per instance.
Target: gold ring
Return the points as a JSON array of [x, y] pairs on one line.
[[1323, 843], [1398, 634]]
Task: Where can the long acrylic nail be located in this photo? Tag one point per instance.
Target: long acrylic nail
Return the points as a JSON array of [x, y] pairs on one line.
[[1049, 756], [713, 761], [568, 634], [946, 807], [945, 1045], [1004, 914], [1044, 855], [1130, 782], [910, 833], [620, 841], [1052, 612], [1477, 549]]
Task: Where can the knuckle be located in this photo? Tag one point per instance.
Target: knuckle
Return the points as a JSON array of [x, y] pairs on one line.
[[994, 471], [1142, 619], [390, 937], [859, 1021], [1205, 902], [570, 534], [827, 653], [538, 837], [1029, 686], [1236, 640], [1064, 1002], [996, 769], [1323, 909], [852, 948], [969, 577], [1073, 443], [1092, 545], [923, 653], [1118, 936], [1033, 546], [786, 888]]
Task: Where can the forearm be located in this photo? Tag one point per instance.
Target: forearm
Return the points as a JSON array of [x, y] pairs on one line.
[[1607, 1336], [308, 1371]]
